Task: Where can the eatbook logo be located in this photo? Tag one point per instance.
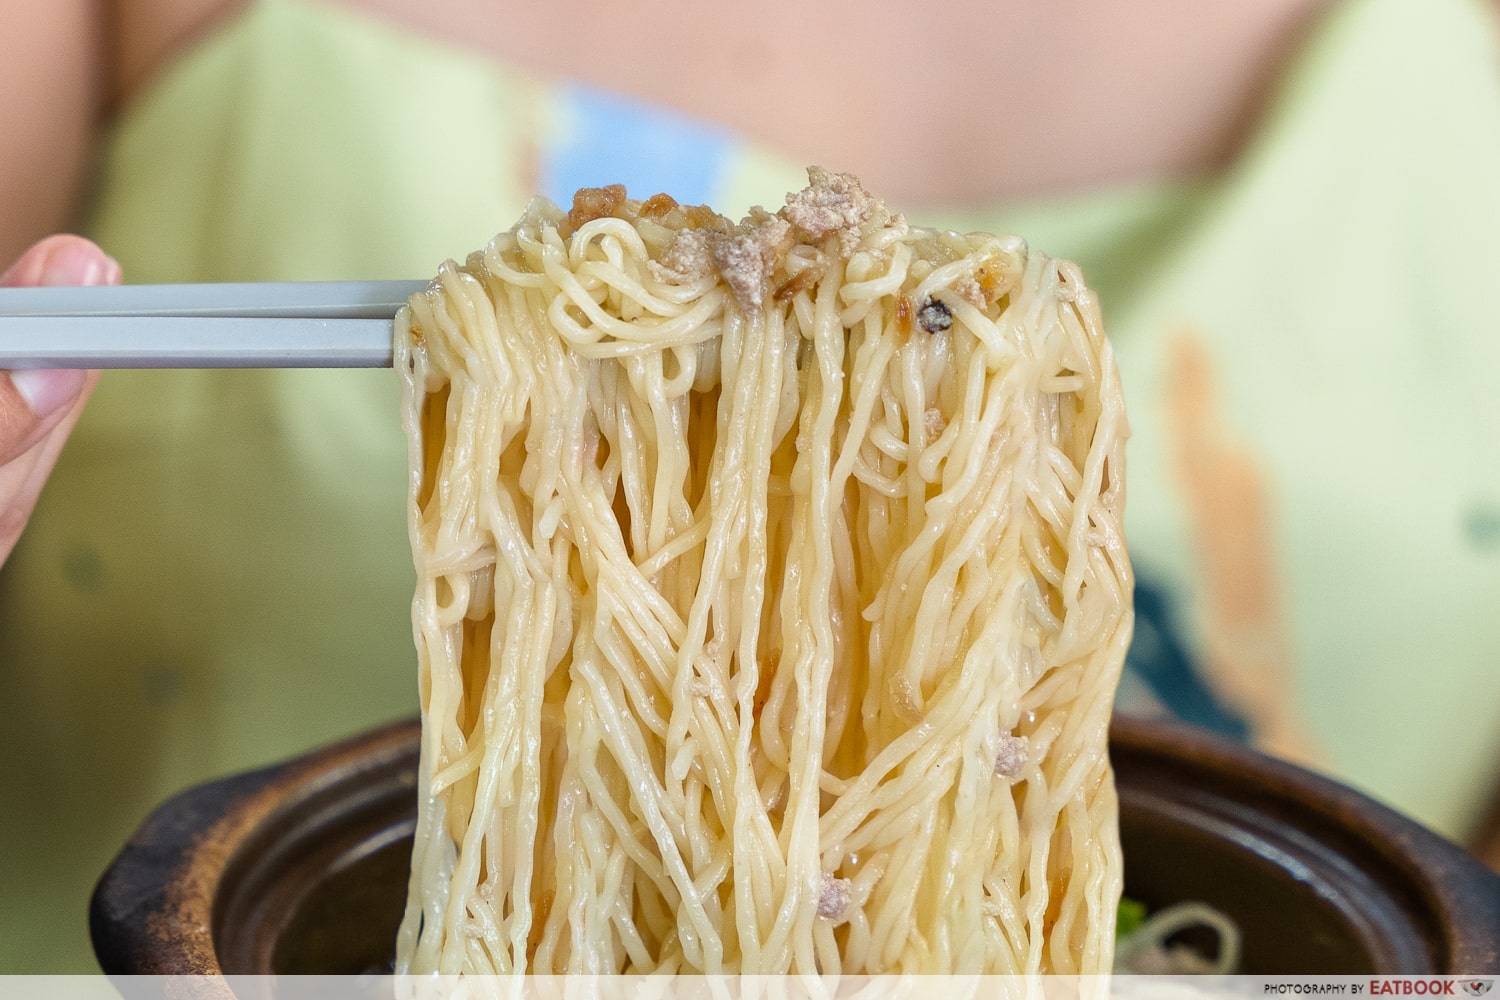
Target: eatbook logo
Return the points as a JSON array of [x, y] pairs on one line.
[[1477, 987]]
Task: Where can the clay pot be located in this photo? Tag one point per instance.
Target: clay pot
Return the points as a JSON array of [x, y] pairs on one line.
[[260, 873]]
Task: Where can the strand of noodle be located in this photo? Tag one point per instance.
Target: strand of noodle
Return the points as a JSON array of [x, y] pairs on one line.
[[1161, 926], [756, 896], [870, 360], [940, 512], [978, 520], [913, 755], [680, 545], [617, 731], [807, 617], [685, 327], [671, 468], [628, 287]]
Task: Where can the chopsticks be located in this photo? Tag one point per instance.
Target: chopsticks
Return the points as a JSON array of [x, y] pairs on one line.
[[339, 324]]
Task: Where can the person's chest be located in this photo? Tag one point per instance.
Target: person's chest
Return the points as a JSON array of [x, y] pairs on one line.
[[958, 102]]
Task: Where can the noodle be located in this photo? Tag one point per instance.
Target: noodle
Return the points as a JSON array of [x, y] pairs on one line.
[[771, 597], [1149, 949]]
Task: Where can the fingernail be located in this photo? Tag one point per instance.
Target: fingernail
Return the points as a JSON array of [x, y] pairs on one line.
[[46, 390], [70, 264]]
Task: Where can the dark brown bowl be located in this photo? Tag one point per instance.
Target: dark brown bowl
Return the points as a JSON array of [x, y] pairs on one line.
[[301, 868]]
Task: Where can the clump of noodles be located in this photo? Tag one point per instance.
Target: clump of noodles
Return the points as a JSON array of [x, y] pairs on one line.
[[771, 597]]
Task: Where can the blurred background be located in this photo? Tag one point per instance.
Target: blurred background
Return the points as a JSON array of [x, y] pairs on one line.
[[1288, 209]]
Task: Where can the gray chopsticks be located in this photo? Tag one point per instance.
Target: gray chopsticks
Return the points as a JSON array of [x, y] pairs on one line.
[[344, 324]]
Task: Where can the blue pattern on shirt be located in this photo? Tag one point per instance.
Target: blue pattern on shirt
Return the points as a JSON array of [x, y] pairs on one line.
[[608, 139], [1159, 658]]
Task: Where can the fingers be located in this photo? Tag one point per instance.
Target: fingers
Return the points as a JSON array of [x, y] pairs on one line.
[[21, 480], [33, 403], [39, 408], [61, 260]]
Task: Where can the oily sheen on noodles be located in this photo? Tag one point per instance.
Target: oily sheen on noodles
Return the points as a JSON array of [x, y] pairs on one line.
[[771, 596]]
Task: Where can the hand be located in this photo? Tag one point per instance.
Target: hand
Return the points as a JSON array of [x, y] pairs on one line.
[[39, 408]]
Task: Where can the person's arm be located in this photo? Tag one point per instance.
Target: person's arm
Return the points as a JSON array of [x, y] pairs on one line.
[[65, 66], [52, 80]]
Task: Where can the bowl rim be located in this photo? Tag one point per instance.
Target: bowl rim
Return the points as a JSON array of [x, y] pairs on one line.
[[156, 907]]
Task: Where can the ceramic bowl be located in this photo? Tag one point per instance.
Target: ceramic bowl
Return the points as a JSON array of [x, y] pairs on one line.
[[260, 873]]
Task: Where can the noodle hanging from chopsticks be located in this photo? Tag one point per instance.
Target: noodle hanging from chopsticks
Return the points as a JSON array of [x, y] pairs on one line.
[[771, 597]]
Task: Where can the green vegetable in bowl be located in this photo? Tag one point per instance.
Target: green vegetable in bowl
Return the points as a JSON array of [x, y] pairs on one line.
[[1130, 914]]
